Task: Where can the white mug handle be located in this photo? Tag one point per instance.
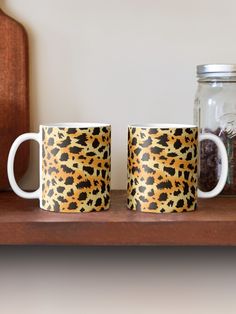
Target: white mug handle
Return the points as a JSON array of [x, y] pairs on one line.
[[10, 165], [224, 163]]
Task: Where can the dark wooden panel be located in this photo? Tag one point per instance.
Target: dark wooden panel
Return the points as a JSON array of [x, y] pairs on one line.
[[14, 94], [23, 222]]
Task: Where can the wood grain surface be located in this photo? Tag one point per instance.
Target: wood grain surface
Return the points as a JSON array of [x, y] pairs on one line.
[[14, 94], [23, 222]]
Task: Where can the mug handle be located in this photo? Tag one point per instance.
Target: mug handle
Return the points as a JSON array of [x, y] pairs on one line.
[[224, 162], [10, 165]]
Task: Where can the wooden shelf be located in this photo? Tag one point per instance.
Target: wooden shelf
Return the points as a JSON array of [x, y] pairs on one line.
[[23, 222]]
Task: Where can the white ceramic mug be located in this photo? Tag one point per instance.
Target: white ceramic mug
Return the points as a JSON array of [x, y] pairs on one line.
[[163, 167], [75, 163]]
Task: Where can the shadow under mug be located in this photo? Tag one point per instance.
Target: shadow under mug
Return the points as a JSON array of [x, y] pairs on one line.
[[163, 167], [75, 162]]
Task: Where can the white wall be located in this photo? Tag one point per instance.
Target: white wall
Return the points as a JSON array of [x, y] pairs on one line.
[[119, 62]]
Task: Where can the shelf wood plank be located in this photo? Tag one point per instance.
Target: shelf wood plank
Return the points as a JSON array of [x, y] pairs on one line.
[[22, 222]]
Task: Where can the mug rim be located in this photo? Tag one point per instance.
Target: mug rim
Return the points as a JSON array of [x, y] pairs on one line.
[[76, 125], [162, 126]]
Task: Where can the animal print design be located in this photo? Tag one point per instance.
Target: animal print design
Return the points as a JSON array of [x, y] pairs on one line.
[[76, 169], [162, 169]]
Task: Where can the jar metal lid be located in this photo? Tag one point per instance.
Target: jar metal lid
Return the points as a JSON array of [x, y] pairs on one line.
[[216, 70]]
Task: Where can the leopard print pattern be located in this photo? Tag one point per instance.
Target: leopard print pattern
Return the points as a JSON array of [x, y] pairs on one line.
[[76, 169], [162, 169]]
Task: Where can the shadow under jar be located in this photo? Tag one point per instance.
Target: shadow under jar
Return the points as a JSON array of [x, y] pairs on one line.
[[215, 112]]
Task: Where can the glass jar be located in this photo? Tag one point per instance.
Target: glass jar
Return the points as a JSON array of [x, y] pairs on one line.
[[215, 112]]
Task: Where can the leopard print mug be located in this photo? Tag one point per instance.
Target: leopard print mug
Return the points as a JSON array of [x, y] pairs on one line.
[[163, 167], [75, 163]]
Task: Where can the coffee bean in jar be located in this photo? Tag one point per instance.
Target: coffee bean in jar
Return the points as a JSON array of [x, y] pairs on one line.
[[215, 112]]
